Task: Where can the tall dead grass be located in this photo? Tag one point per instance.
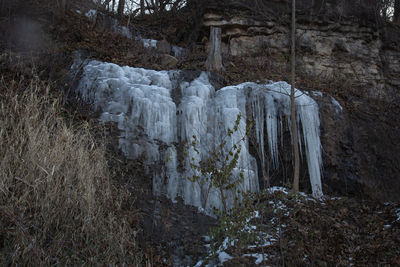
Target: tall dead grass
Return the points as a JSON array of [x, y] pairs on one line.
[[58, 203]]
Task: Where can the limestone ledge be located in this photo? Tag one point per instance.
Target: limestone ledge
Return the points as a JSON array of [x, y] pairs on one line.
[[342, 50]]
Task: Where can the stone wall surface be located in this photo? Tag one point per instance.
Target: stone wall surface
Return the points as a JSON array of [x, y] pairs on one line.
[[345, 49]]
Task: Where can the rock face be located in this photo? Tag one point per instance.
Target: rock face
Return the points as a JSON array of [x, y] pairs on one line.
[[360, 148], [168, 62], [342, 49], [360, 140]]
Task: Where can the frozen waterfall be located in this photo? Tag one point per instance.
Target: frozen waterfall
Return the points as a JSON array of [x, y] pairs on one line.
[[157, 110], [270, 105]]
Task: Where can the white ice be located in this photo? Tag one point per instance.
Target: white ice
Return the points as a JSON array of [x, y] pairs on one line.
[[139, 101], [271, 104], [223, 257], [259, 257], [149, 43], [91, 14], [336, 104]]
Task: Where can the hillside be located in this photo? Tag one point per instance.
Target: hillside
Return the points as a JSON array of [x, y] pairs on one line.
[[118, 148]]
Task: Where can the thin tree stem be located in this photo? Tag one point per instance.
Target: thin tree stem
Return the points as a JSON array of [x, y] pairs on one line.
[[292, 103]]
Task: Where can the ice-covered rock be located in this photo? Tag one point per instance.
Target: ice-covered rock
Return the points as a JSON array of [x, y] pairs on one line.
[[270, 106], [156, 110]]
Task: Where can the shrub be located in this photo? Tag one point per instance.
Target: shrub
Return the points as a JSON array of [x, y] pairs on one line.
[[58, 202]]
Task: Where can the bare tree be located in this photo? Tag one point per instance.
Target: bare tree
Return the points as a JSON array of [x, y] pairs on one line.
[[296, 171], [142, 8]]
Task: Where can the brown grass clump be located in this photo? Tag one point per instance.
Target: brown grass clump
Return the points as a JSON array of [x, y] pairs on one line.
[[58, 203]]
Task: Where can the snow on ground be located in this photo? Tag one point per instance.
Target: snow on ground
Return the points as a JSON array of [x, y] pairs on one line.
[[223, 257], [148, 43], [259, 257]]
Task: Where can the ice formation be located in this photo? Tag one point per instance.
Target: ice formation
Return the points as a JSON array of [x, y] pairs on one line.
[[157, 110], [271, 105]]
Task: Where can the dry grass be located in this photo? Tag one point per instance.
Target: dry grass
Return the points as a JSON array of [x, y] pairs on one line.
[[58, 203]]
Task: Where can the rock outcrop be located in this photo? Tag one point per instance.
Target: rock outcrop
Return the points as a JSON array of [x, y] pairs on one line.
[[345, 49], [360, 140]]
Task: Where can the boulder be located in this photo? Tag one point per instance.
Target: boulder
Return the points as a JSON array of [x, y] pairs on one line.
[[168, 61]]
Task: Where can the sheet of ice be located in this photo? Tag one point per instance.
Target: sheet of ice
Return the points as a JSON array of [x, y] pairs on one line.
[[134, 98], [139, 101], [229, 103], [271, 103]]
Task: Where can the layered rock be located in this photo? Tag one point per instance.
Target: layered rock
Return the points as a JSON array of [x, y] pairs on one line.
[[359, 140], [344, 49]]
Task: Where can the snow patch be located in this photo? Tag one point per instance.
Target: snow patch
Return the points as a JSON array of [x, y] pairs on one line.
[[259, 257], [199, 263], [148, 43], [274, 189], [223, 257], [91, 14], [317, 93]]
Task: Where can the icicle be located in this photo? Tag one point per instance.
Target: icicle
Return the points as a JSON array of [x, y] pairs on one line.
[[140, 102], [258, 117], [276, 97], [272, 128], [309, 116]]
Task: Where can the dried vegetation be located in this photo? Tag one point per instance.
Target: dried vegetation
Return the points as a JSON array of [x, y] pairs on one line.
[[58, 202]]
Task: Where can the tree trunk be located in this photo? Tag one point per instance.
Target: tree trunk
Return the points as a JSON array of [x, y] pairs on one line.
[[293, 104], [214, 60], [64, 4], [121, 7], [396, 17], [142, 8]]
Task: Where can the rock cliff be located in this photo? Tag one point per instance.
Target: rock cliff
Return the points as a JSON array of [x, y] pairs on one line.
[[341, 48], [360, 141]]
